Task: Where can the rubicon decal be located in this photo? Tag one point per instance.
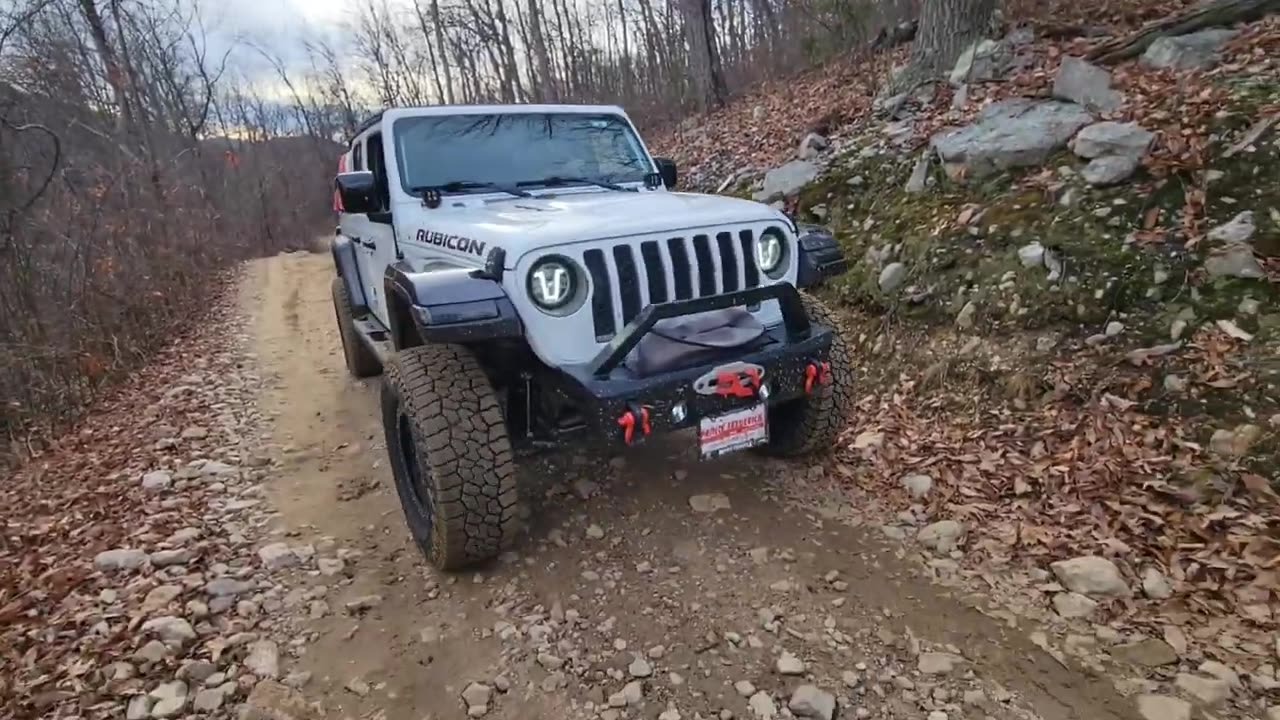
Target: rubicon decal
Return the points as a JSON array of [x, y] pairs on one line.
[[451, 242]]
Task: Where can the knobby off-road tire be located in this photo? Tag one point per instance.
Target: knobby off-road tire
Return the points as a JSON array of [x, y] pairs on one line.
[[450, 454], [810, 424], [361, 362]]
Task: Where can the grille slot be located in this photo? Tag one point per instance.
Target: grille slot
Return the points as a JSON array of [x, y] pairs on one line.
[[681, 268], [628, 282], [728, 262], [601, 294], [654, 271], [706, 266], [751, 273]]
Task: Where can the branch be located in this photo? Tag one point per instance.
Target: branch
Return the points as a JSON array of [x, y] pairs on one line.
[[53, 167]]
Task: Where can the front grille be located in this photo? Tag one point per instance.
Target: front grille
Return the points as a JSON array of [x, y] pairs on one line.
[[627, 277]]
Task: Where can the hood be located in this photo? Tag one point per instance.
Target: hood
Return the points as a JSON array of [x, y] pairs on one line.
[[519, 225]]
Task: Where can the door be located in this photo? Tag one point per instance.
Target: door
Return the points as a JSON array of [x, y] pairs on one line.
[[379, 238]]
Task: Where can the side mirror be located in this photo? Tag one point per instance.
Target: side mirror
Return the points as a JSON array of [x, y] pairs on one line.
[[357, 191], [667, 169]]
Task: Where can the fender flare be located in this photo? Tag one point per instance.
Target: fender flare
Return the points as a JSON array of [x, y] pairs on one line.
[[344, 263], [455, 305], [820, 256]]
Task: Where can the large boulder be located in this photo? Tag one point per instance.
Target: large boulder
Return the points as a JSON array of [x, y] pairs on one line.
[[1194, 51], [787, 180], [981, 61], [1009, 134], [1086, 84], [1090, 575], [1112, 138]]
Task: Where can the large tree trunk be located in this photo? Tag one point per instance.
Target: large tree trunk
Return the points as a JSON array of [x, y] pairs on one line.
[[947, 28], [704, 56], [545, 85]]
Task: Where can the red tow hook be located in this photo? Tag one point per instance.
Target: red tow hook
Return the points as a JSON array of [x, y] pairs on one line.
[[628, 422], [816, 372]]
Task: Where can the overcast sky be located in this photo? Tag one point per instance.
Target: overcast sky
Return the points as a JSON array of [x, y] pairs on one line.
[[279, 26]]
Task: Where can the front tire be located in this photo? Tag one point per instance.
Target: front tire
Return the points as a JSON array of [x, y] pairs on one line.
[[361, 362], [450, 455], [810, 424]]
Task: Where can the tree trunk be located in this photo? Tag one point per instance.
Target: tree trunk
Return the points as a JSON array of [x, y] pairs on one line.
[[704, 56], [546, 82], [947, 28], [115, 75]]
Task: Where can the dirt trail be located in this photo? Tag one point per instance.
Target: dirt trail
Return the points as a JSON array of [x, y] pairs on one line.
[[618, 578]]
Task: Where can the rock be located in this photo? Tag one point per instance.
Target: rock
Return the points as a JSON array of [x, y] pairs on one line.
[[938, 715], [744, 688], [1155, 585], [194, 433], [1086, 84], [1234, 443], [1193, 51], [1222, 672], [1205, 690], [263, 659], [584, 488], [786, 181], [1109, 170], [1239, 229], [1031, 255], [982, 61], [709, 503], [1147, 653], [329, 567], [868, 439], [656, 652], [227, 587], [762, 707], [964, 320], [1010, 134], [208, 700], [919, 180], [159, 598], [271, 700], [1072, 605], [1114, 328], [165, 558], [277, 556], [810, 702], [632, 693], [669, 714], [476, 696], [171, 699], [640, 668], [1163, 707], [917, 485], [173, 631], [937, 663], [1109, 138], [1273, 713], [156, 481], [942, 537], [1090, 575], [892, 277], [595, 532], [119, 559], [788, 664], [1234, 260], [811, 146], [139, 707], [152, 652], [363, 603]]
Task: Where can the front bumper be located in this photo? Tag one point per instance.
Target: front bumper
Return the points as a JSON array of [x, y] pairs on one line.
[[792, 359]]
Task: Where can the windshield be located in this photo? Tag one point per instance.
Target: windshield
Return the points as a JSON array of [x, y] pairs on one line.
[[516, 149]]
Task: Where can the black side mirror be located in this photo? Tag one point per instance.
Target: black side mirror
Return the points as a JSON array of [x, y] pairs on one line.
[[667, 169], [357, 191]]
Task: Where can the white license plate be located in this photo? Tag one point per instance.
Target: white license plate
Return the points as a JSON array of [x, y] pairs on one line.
[[733, 431]]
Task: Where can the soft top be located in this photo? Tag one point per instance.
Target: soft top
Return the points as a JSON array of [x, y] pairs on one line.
[[530, 109]]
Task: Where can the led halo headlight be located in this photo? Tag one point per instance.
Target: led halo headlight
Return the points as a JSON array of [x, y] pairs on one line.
[[771, 251], [553, 282]]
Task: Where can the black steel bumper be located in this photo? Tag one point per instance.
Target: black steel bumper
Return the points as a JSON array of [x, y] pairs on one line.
[[793, 358]]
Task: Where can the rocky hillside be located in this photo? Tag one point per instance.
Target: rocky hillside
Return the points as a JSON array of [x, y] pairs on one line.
[[1063, 287]]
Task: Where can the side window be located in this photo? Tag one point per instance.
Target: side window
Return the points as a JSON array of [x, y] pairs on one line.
[[357, 156], [378, 165]]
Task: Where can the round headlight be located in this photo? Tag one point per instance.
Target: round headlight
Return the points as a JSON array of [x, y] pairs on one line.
[[770, 251], [552, 283]]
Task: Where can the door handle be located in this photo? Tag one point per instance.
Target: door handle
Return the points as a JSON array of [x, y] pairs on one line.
[[372, 245]]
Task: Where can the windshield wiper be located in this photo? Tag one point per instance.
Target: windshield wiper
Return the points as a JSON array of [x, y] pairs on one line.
[[459, 185], [561, 180]]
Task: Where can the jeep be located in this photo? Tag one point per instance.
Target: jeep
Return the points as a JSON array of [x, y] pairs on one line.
[[526, 277]]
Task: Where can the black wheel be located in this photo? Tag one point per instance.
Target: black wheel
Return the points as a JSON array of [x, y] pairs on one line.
[[361, 362], [811, 424], [450, 455]]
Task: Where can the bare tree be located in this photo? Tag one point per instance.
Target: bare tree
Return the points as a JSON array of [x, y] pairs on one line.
[[947, 28]]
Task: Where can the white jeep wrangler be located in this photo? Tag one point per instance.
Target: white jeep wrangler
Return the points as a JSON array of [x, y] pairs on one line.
[[527, 278]]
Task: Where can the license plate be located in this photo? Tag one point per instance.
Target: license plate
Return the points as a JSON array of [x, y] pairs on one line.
[[733, 431]]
